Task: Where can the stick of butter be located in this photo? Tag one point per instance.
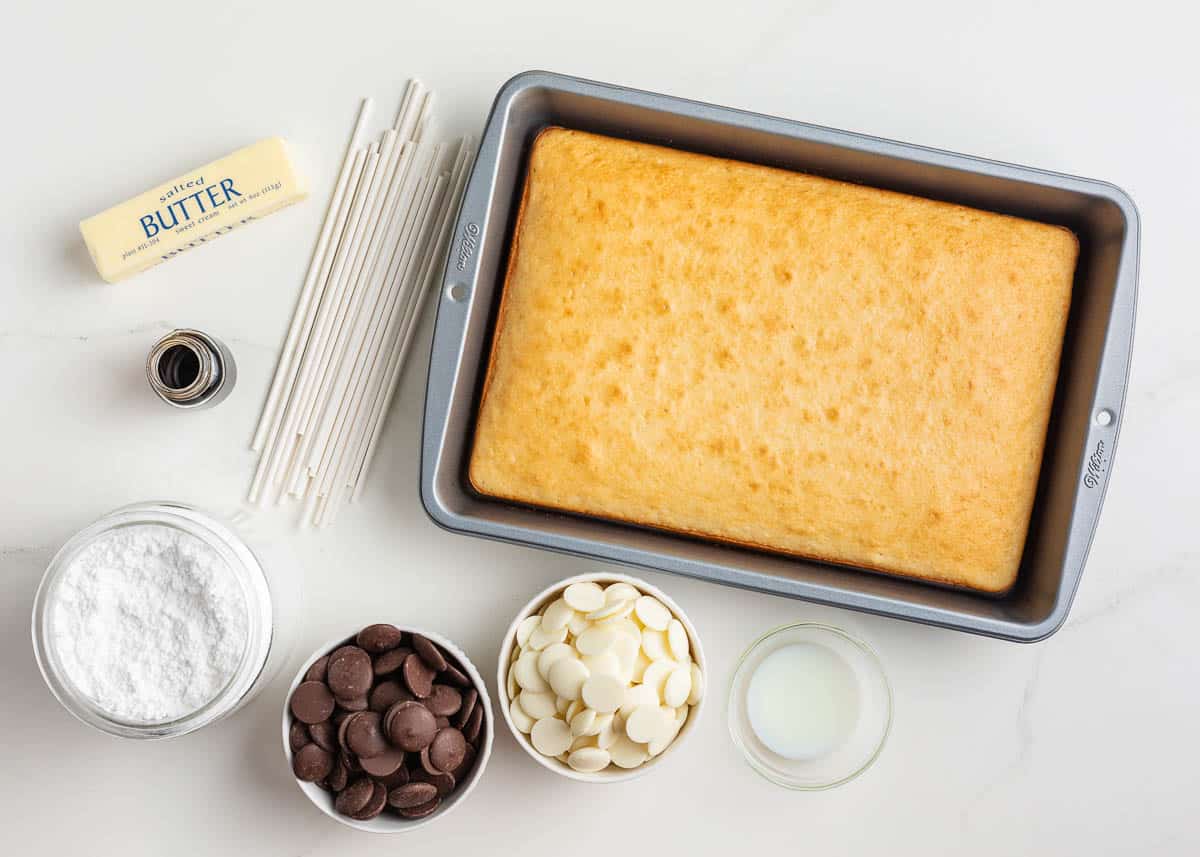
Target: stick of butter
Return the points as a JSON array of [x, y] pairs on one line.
[[193, 209]]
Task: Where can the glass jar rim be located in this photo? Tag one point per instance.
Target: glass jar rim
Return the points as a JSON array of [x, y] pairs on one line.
[[242, 563]]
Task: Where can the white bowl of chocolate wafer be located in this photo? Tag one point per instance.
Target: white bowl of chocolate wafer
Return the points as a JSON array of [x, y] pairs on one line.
[[389, 729]]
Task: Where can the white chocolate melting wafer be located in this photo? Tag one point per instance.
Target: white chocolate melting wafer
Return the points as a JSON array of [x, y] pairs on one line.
[[596, 640], [585, 596], [697, 691], [603, 693], [526, 673], [550, 654], [605, 663], [613, 610], [550, 736], [520, 719], [525, 628], [677, 641], [677, 687], [567, 677], [626, 754], [540, 638], [656, 676], [589, 759], [557, 615], [582, 723], [646, 723], [537, 705], [654, 644], [652, 613], [620, 591]]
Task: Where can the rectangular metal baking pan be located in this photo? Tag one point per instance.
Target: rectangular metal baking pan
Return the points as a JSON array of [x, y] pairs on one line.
[[1088, 404]]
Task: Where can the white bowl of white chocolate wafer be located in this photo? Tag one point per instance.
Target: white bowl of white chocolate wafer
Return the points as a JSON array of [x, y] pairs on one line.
[[601, 677]]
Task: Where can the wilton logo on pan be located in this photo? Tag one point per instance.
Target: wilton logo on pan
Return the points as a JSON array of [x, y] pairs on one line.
[[216, 194], [1095, 466], [466, 247]]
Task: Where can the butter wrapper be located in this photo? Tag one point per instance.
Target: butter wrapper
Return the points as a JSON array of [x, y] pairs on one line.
[[193, 209]]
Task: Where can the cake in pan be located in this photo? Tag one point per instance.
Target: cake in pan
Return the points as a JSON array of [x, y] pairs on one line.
[[773, 359]]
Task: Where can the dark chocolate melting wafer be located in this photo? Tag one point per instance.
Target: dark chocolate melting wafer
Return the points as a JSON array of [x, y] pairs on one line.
[[350, 761], [338, 776], [364, 736], [429, 652], [412, 794], [352, 705], [341, 731], [311, 763], [341, 650], [397, 777], [298, 735], [386, 694], [444, 700], [474, 725], [427, 765], [454, 675], [418, 676], [422, 810], [317, 671], [469, 698], [349, 674], [443, 782], [389, 662], [447, 750], [384, 764], [324, 735], [354, 797], [387, 718], [312, 702], [375, 804], [464, 767], [377, 639], [410, 726]]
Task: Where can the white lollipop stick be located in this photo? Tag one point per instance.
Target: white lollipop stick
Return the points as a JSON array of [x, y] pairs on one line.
[[430, 274], [317, 341], [273, 449], [358, 291], [332, 468], [306, 306]]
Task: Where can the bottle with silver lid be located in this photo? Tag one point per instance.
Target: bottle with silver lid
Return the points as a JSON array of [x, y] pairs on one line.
[[190, 369]]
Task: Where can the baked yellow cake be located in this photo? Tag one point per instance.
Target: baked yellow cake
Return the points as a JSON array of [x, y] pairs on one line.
[[772, 359]]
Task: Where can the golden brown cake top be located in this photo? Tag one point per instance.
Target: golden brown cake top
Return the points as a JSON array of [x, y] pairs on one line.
[[774, 359]]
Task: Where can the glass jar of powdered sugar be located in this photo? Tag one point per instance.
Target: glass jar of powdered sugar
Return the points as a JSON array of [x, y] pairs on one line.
[[154, 621]]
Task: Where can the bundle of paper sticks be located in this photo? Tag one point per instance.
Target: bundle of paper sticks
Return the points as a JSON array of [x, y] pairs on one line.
[[381, 248]]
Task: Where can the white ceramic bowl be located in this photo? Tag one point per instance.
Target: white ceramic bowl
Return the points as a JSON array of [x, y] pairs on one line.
[[388, 822], [611, 774]]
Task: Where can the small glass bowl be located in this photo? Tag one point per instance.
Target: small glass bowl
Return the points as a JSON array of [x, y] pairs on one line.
[[247, 679], [862, 745]]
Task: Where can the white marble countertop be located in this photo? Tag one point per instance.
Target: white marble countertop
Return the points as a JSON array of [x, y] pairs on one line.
[[1084, 743]]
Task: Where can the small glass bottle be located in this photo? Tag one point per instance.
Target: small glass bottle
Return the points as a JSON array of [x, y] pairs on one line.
[[190, 369]]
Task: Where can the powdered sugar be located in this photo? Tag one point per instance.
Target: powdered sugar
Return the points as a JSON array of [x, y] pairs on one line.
[[149, 622]]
